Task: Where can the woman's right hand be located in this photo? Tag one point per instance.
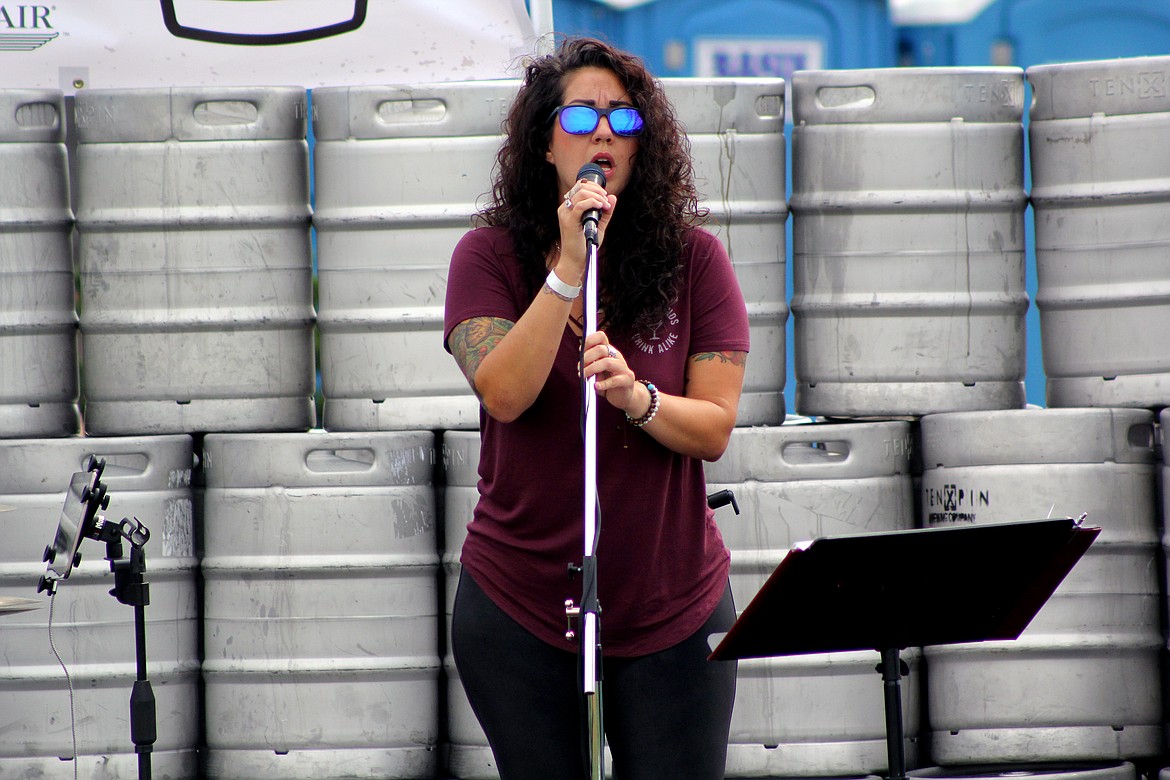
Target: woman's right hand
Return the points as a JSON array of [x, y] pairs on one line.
[[581, 197]]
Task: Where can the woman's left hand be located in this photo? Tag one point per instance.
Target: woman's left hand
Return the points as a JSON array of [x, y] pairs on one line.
[[697, 424], [615, 382]]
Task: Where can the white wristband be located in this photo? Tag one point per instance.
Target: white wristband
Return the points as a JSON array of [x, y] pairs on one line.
[[564, 291]]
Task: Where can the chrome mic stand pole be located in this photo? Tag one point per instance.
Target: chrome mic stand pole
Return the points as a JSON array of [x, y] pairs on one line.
[[590, 628]]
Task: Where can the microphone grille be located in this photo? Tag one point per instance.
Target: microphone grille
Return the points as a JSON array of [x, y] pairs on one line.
[[593, 172]]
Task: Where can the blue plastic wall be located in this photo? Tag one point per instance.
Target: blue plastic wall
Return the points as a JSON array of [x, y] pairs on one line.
[[665, 33], [1036, 32], [589, 18]]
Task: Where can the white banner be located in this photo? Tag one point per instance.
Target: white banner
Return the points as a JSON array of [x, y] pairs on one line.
[[100, 44]]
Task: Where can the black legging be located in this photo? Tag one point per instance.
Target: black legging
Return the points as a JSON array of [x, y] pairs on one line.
[[666, 715]]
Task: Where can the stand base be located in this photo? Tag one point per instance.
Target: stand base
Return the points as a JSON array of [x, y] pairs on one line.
[[355, 764], [1139, 391], [475, 762], [894, 399], [760, 408], [175, 765], [813, 759], [451, 413], [1047, 744], [46, 421], [228, 415]]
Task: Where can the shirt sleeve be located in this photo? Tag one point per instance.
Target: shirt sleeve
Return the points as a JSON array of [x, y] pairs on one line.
[[720, 320], [479, 283]]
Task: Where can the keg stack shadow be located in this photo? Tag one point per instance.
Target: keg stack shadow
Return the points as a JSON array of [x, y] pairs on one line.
[[298, 616]]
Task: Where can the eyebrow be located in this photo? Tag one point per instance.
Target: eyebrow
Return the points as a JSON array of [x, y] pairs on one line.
[[592, 102]]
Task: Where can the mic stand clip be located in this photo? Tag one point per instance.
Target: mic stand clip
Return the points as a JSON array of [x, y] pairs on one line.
[[131, 588]]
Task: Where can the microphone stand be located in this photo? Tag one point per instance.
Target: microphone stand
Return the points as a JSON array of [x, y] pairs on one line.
[[588, 613], [590, 609], [130, 588]]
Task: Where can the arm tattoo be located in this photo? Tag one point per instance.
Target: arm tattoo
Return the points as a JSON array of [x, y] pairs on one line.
[[734, 358], [472, 340]]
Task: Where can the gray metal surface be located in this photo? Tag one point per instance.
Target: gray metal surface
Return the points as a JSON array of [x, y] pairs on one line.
[[469, 757], [148, 478], [401, 169], [196, 276], [908, 241], [1100, 194], [1080, 683], [321, 605], [736, 131], [1118, 770], [818, 715], [38, 324]]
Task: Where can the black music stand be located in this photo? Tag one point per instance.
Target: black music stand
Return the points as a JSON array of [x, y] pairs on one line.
[[889, 591]]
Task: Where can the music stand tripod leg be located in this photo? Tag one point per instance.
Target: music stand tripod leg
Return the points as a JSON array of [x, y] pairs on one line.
[[892, 671]]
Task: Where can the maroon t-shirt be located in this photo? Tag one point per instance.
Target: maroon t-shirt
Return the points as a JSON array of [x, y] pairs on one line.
[[662, 565]]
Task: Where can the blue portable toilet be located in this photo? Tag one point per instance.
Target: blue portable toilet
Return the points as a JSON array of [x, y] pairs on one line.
[[587, 18], [1024, 33], [1029, 32], [738, 37]]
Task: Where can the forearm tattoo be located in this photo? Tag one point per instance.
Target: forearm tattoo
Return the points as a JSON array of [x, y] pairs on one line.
[[472, 340], [734, 358]]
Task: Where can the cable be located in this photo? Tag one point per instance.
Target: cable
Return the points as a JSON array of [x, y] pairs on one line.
[[68, 680]]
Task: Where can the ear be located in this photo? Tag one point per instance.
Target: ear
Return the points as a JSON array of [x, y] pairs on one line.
[[548, 156]]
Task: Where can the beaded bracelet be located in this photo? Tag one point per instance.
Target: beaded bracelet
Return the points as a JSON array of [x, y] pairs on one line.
[[561, 289], [653, 410]]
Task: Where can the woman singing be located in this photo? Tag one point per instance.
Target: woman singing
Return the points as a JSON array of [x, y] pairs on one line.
[[668, 356]]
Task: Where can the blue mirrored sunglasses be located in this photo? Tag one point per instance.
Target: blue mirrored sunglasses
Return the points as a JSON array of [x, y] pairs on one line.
[[580, 120]]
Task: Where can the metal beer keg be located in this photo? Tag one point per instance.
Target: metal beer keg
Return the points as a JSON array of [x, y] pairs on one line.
[[908, 241]]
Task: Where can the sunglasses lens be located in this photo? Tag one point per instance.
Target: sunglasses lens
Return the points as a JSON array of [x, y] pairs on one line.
[[579, 120], [625, 121]]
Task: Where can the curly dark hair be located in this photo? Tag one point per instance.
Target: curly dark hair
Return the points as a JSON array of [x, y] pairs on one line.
[[658, 205]]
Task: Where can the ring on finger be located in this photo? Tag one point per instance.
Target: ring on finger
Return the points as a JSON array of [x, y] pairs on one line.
[[613, 353], [568, 202]]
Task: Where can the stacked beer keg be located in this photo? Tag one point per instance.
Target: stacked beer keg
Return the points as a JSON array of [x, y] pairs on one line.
[[293, 615], [908, 303], [300, 575]]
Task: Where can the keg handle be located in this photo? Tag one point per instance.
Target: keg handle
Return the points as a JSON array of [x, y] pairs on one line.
[[722, 498]]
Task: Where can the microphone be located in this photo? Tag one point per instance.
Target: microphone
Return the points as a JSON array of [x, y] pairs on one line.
[[591, 172]]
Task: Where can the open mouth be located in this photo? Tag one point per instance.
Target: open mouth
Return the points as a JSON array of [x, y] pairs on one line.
[[604, 162]]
